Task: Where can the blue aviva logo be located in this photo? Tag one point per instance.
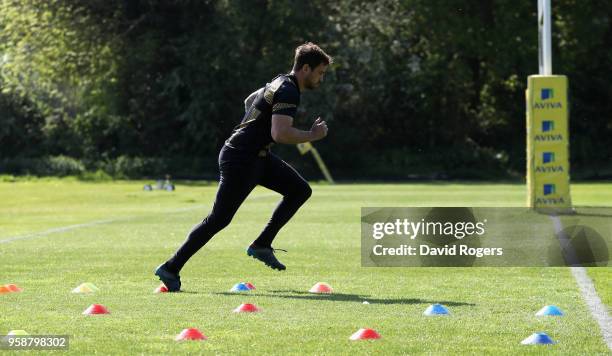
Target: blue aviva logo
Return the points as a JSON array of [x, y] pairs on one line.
[[548, 157], [548, 125], [547, 93], [546, 100], [549, 189]]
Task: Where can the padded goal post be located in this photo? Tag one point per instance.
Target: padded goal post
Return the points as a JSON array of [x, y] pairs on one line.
[[548, 178]]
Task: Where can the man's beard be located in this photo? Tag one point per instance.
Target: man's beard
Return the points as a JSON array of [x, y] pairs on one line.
[[311, 85]]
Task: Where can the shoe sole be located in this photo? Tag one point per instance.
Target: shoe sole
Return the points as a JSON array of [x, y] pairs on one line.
[[166, 282], [266, 263]]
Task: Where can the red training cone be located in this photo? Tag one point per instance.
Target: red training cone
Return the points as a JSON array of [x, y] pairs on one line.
[[13, 288], [190, 334], [321, 287], [162, 289], [247, 308], [96, 309], [365, 334], [249, 285]]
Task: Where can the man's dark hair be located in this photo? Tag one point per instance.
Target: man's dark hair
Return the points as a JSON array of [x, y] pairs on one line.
[[311, 54]]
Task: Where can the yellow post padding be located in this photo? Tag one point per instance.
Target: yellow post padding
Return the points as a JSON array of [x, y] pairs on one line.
[[548, 178]]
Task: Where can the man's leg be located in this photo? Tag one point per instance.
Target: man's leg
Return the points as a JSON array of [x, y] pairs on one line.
[[237, 181], [282, 178]]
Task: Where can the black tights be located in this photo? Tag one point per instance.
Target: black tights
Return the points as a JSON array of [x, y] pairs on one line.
[[239, 176]]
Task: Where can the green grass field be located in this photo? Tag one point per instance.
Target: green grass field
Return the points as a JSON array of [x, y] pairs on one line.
[[123, 233]]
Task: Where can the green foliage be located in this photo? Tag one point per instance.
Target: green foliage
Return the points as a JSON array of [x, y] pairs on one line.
[[43, 166], [58, 59], [95, 176], [441, 83], [61, 166], [130, 167]]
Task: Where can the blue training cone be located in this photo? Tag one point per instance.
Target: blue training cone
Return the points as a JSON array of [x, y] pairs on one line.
[[436, 309], [550, 310], [240, 287], [538, 339]]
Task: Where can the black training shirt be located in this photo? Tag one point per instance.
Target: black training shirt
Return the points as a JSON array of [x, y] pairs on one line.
[[253, 134]]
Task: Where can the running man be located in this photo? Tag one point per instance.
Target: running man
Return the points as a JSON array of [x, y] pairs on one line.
[[245, 161]]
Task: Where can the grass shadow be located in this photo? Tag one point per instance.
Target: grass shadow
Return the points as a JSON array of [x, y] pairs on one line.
[[593, 215], [587, 211], [184, 292], [593, 211], [343, 297]]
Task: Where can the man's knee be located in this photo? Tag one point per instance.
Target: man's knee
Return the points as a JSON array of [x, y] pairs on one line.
[[304, 192], [218, 222]]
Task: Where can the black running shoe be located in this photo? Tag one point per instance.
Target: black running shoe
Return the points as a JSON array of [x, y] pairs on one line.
[[171, 280], [266, 255]]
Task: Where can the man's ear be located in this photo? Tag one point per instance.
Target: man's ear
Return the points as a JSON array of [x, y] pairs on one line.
[[306, 68]]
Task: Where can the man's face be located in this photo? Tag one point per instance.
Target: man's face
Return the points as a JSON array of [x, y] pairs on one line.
[[314, 77]]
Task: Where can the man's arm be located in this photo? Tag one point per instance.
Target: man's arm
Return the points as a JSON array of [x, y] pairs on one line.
[[284, 132]]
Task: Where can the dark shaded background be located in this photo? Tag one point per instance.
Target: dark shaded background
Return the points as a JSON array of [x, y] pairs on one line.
[[420, 89]]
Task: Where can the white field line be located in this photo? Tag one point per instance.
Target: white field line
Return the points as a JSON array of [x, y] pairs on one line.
[[599, 311], [107, 221], [58, 230]]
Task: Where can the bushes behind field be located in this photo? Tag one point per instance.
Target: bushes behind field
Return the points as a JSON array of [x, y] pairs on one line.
[[120, 168], [43, 166], [419, 89]]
